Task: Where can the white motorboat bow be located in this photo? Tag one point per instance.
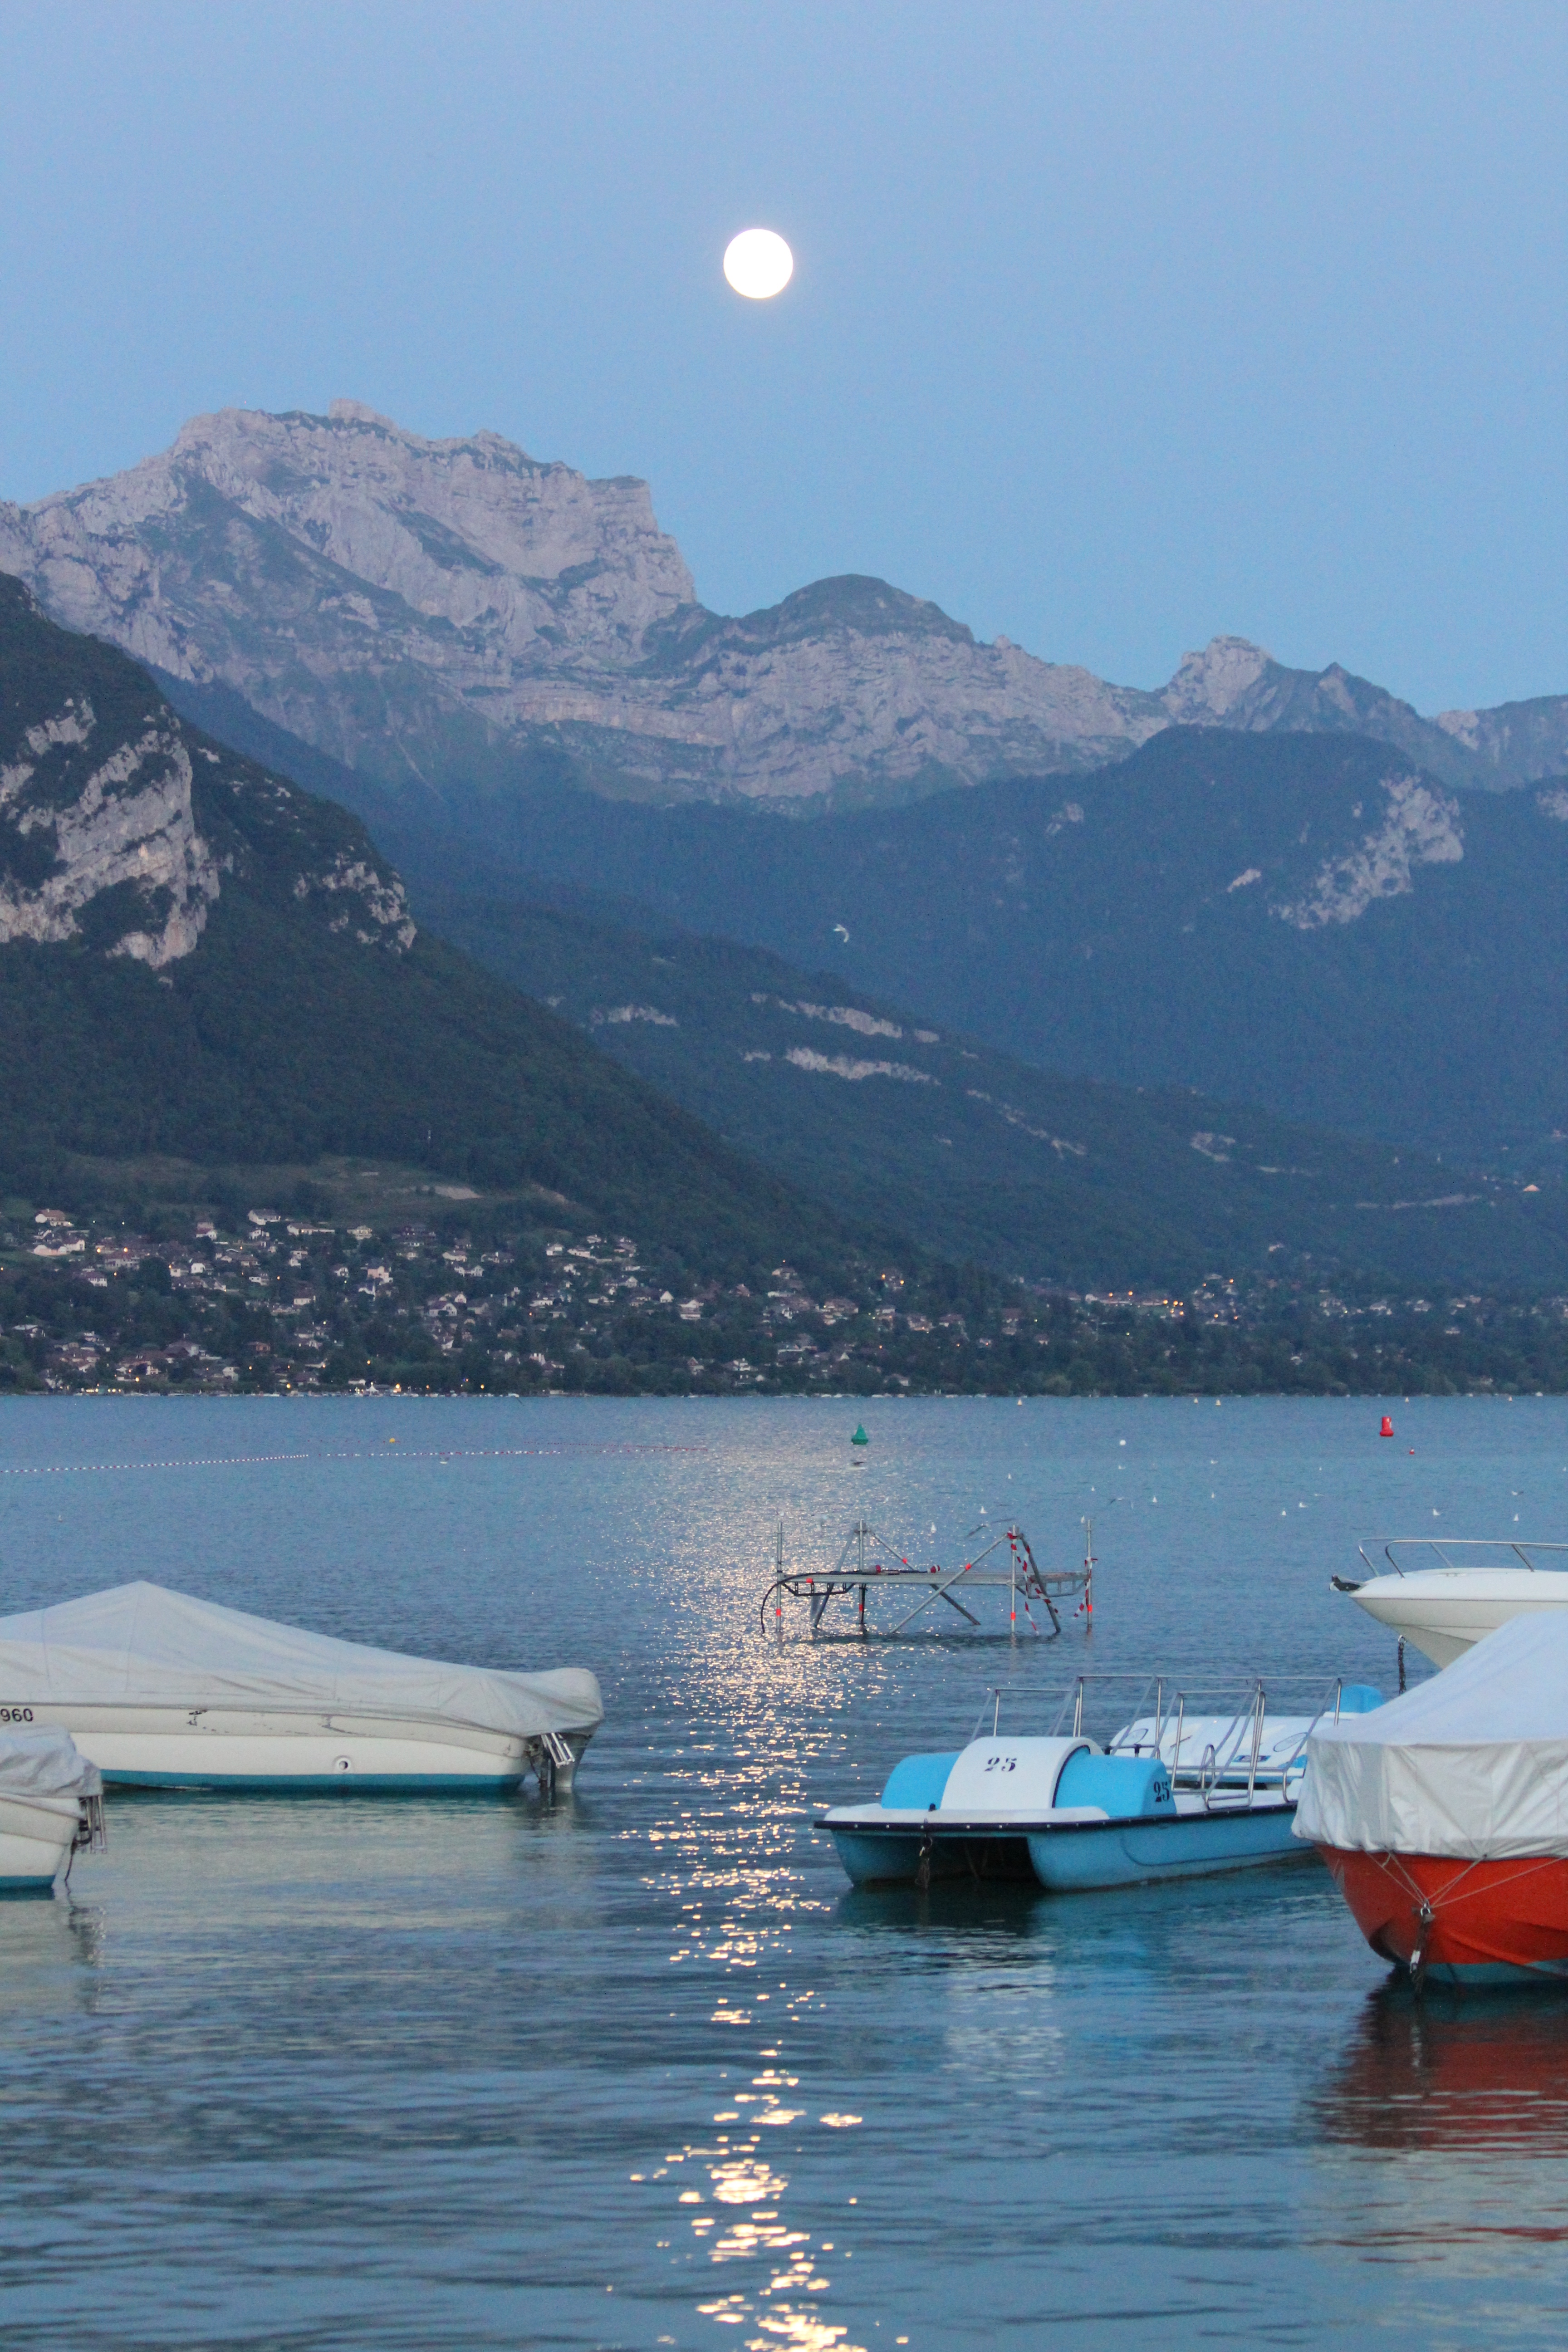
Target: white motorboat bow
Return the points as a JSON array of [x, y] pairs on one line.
[[1441, 1604], [51, 1806], [164, 1691]]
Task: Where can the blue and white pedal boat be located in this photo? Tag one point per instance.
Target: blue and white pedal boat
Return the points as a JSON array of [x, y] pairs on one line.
[[1171, 1796]]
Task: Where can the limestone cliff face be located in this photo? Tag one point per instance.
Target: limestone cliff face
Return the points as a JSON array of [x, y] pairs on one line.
[[529, 562], [126, 824], [1419, 827], [121, 827], [1518, 742], [451, 616], [850, 688]]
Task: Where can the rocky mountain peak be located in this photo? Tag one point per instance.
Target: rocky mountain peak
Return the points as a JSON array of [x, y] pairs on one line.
[[358, 411], [1207, 686], [333, 514]]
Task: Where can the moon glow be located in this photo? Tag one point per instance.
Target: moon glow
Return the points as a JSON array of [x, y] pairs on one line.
[[758, 264]]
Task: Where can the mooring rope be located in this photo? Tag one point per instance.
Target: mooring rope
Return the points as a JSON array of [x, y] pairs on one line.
[[1447, 1894]]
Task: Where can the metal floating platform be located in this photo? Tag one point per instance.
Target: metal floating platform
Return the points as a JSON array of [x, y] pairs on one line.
[[882, 1591]]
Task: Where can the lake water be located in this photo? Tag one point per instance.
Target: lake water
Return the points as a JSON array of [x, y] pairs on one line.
[[639, 2069]]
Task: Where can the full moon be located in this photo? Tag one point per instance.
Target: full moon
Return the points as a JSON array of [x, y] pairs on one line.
[[758, 264]]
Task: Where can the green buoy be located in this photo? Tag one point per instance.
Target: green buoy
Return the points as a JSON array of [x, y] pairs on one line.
[[860, 1439]]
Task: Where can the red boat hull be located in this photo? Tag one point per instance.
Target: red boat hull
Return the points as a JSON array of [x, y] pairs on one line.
[[1490, 1922]]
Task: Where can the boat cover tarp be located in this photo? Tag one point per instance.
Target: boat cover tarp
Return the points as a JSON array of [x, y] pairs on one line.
[[143, 1643], [40, 1760], [1473, 1763]]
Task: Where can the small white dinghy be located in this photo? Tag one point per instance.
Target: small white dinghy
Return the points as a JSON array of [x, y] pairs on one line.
[[162, 1691], [51, 1806]]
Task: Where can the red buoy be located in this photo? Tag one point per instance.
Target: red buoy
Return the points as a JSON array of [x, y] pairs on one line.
[[1387, 1429]]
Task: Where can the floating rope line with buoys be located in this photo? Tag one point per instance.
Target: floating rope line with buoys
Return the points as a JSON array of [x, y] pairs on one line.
[[365, 1453], [189, 1462]]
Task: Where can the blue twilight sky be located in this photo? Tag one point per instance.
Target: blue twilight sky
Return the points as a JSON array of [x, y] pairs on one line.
[[1112, 326]]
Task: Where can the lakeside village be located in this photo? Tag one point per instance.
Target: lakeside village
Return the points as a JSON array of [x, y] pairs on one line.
[[267, 1302]]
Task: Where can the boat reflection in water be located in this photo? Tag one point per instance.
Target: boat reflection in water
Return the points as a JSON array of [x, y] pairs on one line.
[[1470, 2073]]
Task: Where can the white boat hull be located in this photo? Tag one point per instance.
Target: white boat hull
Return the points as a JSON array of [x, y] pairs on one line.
[[311, 1752], [36, 1835], [1442, 1612]]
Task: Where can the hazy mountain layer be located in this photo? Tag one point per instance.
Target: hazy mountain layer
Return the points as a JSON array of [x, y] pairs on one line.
[[1303, 923], [1050, 1178], [456, 621]]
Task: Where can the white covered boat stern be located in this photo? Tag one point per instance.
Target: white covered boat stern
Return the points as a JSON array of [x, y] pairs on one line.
[[51, 1806]]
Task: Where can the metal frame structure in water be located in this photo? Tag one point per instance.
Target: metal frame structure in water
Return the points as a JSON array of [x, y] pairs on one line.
[[867, 1565]]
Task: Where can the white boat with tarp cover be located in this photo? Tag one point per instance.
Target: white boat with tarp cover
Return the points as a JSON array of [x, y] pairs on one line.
[[161, 1690], [1178, 1790], [1443, 1818], [51, 1806]]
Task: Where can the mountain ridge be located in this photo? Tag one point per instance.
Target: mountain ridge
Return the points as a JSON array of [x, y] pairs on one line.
[[152, 1081], [458, 621], [1307, 923]]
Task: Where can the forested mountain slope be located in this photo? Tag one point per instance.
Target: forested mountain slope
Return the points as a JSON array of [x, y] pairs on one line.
[[1053, 1178], [1301, 921], [1305, 922], [199, 960]]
